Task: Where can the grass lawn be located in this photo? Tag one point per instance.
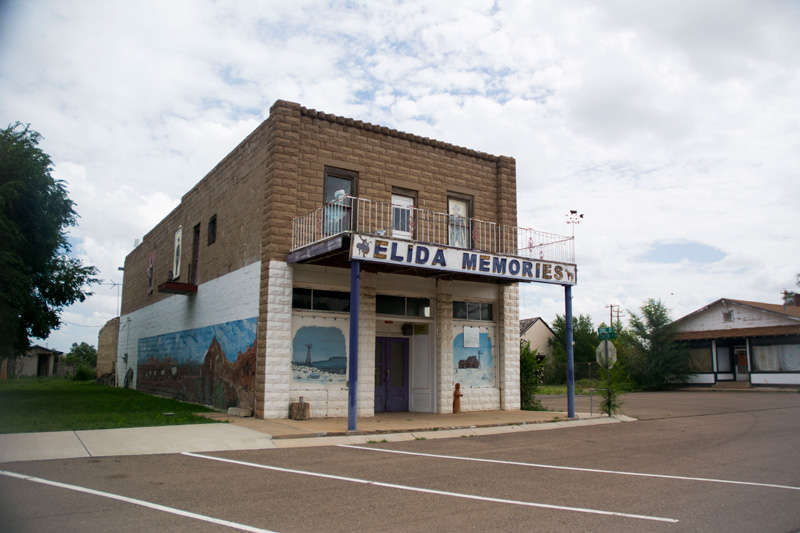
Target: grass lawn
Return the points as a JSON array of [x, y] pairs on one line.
[[57, 404]]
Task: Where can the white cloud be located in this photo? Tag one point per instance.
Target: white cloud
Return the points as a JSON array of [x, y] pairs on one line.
[[660, 121]]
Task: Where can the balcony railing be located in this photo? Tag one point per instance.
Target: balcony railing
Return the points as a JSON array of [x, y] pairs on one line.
[[360, 215]]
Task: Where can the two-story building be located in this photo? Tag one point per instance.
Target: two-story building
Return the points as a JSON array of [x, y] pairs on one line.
[[357, 267]]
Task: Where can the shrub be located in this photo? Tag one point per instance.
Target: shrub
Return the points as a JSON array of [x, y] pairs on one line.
[[84, 373], [531, 372]]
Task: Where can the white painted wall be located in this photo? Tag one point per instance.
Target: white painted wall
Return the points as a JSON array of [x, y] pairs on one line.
[[743, 317], [230, 297], [782, 378]]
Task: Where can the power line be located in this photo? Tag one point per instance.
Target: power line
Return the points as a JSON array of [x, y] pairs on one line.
[[81, 325]]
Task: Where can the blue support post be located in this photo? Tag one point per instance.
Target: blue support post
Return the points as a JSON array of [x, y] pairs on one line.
[[352, 392], [570, 353]]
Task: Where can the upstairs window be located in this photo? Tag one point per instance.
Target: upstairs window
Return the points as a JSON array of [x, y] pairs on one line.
[[403, 213], [459, 211], [727, 316], [212, 229], [340, 186]]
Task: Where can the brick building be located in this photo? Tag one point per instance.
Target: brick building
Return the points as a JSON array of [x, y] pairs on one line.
[[245, 294]]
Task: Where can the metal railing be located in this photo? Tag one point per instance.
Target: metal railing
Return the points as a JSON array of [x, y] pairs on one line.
[[360, 215]]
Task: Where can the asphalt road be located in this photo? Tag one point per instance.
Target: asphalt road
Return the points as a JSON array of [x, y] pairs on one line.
[[694, 461]]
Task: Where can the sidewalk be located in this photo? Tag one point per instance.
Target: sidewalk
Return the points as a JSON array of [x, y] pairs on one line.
[[258, 434]]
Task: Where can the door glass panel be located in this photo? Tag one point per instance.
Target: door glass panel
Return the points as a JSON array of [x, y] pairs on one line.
[[397, 365]]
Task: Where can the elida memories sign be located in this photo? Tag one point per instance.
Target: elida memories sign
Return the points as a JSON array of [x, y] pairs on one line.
[[417, 255]]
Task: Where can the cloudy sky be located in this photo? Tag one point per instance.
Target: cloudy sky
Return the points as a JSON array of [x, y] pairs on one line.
[[673, 126]]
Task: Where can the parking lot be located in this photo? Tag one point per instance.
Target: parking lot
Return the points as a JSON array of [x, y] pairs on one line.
[[694, 461]]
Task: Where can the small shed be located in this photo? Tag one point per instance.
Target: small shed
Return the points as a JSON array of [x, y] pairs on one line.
[[38, 361]]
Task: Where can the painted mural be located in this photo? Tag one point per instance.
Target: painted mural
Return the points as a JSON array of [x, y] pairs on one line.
[[473, 366], [319, 355], [213, 365]]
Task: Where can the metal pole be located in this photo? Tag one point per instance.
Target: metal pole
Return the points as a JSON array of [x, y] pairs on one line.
[[352, 393], [608, 379], [570, 353]]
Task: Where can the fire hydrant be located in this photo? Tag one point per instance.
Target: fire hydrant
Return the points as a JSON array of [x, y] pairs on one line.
[[457, 398]]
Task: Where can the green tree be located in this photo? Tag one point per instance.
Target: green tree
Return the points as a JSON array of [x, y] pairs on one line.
[[37, 275], [531, 372], [657, 361], [789, 296], [586, 341], [82, 354]]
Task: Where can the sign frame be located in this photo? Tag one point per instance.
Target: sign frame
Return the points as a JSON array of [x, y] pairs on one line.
[[378, 249]]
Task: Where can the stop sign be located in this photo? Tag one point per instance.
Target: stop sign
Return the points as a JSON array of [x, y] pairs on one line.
[[601, 354]]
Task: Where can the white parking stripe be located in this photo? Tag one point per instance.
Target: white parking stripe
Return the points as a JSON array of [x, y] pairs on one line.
[[573, 468], [432, 491], [134, 501]]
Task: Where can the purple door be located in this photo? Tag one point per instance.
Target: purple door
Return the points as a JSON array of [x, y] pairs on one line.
[[391, 374]]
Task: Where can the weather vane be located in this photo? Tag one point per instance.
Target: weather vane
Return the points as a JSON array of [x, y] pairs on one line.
[[574, 218]]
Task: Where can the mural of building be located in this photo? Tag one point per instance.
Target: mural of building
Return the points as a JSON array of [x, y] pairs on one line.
[[740, 341], [359, 267]]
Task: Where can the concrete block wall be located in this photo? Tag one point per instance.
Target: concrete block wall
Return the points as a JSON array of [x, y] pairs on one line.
[[274, 361], [444, 348], [366, 346], [508, 336], [480, 399]]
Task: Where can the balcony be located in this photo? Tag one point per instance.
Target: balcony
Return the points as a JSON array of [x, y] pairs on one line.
[[324, 235]]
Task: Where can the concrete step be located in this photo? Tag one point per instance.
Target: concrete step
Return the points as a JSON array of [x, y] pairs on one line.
[[732, 385]]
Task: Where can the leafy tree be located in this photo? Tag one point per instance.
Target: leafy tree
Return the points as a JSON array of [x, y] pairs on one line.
[[37, 276], [586, 341], [789, 296], [531, 372], [657, 361], [82, 354]]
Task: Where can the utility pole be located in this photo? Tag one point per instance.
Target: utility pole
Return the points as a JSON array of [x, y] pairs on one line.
[[611, 314]]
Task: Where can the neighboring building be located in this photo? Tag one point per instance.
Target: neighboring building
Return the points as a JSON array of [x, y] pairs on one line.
[[107, 345], [37, 361], [245, 294], [735, 340], [538, 333]]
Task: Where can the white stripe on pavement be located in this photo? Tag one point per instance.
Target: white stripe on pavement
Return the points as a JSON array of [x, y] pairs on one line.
[[432, 491], [573, 468], [157, 507]]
